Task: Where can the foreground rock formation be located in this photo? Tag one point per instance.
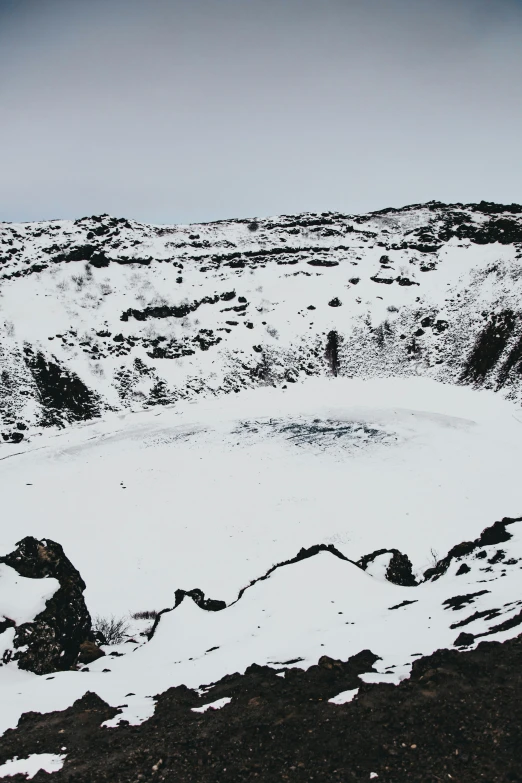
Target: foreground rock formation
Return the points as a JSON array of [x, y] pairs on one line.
[[458, 717], [51, 641]]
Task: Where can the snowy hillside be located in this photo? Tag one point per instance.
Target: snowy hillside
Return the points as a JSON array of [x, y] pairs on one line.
[[358, 491], [108, 314]]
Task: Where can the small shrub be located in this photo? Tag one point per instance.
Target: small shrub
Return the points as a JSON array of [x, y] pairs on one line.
[[253, 226], [79, 280], [111, 629], [434, 558]]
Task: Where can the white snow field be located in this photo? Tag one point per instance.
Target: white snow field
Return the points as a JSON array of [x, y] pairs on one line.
[[212, 494]]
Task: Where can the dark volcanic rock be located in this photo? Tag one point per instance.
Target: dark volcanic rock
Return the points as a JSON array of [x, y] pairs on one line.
[[89, 652], [400, 569], [332, 352], [458, 717], [496, 534], [54, 637], [99, 260], [62, 394], [464, 639], [198, 596], [490, 345]]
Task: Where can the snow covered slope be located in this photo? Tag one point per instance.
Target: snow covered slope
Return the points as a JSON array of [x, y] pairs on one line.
[[105, 313], [335, 501], [275, 526]]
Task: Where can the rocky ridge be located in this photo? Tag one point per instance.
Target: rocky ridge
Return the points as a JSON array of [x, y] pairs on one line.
[[105, 313]]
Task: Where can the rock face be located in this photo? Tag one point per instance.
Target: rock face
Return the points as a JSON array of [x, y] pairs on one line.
[[52, 641], [62, 395], [399, 570], [127, 315]]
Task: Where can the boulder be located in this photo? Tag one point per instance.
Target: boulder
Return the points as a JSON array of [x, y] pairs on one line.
[[52, 640], [89, 652]]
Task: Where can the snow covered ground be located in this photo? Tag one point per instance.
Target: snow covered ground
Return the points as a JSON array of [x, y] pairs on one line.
[[212, 494]]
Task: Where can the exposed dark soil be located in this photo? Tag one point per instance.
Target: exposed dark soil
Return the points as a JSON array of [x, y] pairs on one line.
[[459, 717]]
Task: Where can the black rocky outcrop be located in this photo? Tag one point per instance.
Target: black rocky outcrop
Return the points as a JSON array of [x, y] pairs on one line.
[[332, 352], [496, 534], [490, 346], [175, 311], [52, 641], [63, 396], [399, 570]]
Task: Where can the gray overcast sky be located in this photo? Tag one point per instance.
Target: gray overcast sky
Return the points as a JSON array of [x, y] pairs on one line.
[[187, 110]]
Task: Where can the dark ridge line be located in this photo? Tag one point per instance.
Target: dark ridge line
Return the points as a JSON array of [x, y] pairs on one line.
[[400, 568], [212, 605], [404, 603], [198, 596], [179, 311], [488, 207], [246, 255], [303, 554], [505, 626], [465, 639], [460, 601], [490, 614]]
